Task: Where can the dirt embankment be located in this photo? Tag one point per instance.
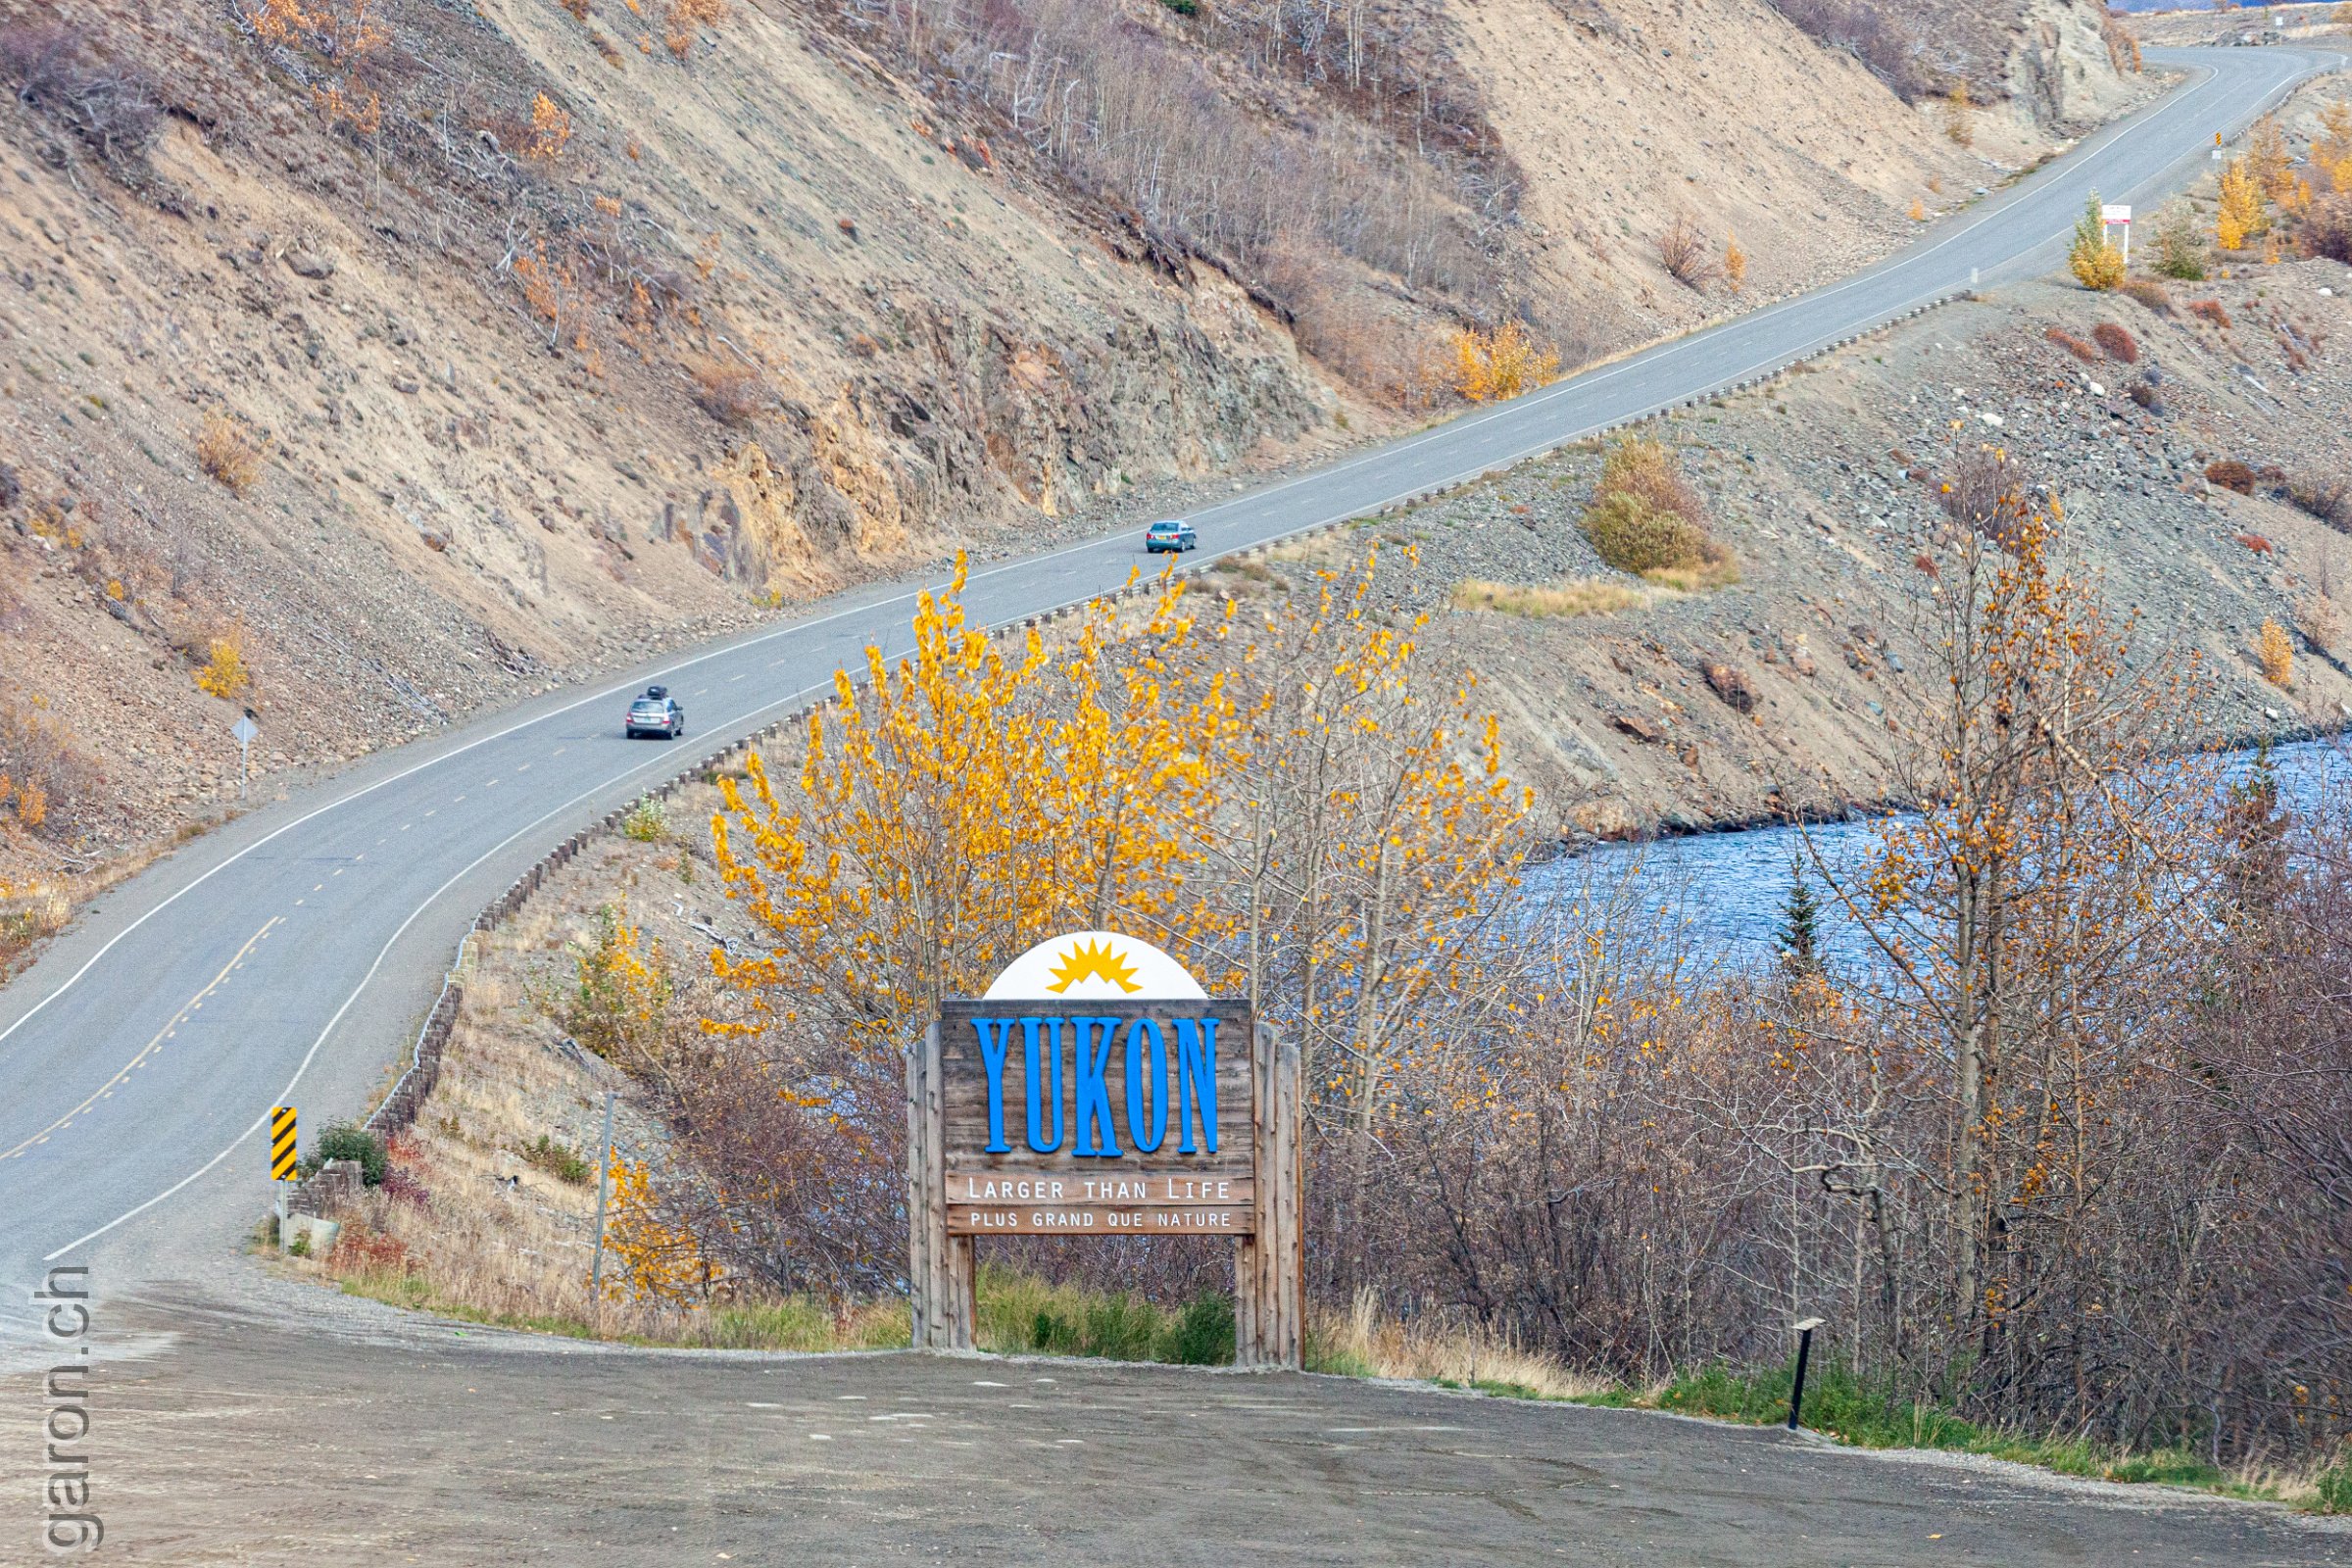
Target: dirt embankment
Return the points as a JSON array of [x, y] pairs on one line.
[[377, 365]]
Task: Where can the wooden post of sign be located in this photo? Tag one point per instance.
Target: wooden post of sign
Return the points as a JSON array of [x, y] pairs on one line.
[[1269, 1265], [939, 1274]]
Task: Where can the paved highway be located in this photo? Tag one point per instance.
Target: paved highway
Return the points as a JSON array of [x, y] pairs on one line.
[[289, 956]]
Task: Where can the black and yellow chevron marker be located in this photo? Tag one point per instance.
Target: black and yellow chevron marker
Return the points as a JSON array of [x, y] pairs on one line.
[[282, 1144]]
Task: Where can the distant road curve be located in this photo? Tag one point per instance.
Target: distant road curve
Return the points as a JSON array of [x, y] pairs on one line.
[[287, 957]]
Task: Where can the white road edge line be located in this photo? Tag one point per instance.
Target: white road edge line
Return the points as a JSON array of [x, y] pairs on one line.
[[287, 1096]]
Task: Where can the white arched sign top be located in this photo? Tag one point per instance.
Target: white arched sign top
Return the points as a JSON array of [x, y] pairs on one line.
[[1094, 966]]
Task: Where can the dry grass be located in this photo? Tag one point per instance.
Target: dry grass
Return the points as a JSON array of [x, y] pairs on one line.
[[227, 453], [1366, 1343], [1719, 572], [1574, 596]]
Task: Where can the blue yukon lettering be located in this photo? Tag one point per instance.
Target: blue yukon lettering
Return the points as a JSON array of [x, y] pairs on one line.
[[995, 1037], [1042, 1061], [1195, 1082], [1096, 1134], [1140, 1034]]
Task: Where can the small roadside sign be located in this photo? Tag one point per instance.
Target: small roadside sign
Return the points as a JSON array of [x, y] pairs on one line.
[[2112, 217], [282, 1160], [245, 729], [283, 1163]]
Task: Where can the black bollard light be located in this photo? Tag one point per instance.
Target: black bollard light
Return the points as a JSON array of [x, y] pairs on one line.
[[1805, 1350]]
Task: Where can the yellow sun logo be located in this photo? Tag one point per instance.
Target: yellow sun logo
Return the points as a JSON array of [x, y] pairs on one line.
[[1093, 961]]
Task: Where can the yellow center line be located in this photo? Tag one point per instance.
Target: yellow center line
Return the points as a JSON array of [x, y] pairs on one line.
[[170, 1027]]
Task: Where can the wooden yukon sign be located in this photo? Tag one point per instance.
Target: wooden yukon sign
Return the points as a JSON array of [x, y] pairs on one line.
[[1098, 1117], [1097, 1091]]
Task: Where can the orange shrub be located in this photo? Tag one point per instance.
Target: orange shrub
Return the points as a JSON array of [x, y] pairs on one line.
[[2209, 310], [683, 16], [225, 673], [2072, 344], [1498, 366], [227, 451], [2277, 653], [551, 130]]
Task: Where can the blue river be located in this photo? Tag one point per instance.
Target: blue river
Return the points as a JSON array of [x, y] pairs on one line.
[[1725, 894]]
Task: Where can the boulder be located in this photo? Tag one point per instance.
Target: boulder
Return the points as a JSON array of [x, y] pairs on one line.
[[1732, 684], [1639, 728]]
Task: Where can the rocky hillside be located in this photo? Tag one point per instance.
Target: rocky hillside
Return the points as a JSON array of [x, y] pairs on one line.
[[2195, 442], [2052, 65], [370, 361]]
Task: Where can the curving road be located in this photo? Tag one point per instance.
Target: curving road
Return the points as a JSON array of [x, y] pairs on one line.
[[289, 956]]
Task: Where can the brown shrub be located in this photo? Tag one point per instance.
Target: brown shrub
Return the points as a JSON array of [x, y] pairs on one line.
[[44, 781], [227, 451], [2209, 310], [2230, 474], [2320, 621], [2118, 343], [2327, 228], [1985, 494], [112, 109], [1686, 254], [2325, 496], [729, 391], [2072, 344], [2149, 292]]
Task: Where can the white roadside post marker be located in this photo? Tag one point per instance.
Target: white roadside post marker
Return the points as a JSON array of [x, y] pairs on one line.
[[245, 730], [1804, 1354]]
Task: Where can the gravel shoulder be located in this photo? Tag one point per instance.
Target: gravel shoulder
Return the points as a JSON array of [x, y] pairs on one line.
[[233, 1430]]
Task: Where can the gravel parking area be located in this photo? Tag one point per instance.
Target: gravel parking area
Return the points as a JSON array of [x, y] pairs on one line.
[[246, 1433]]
